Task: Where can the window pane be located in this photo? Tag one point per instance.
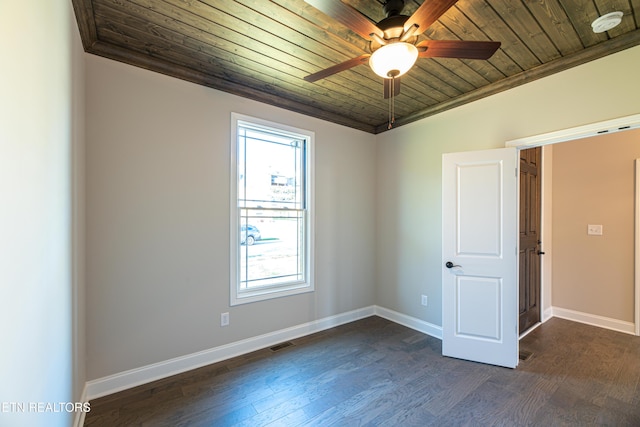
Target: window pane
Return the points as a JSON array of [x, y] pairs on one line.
[[276, 257], [270, 170]]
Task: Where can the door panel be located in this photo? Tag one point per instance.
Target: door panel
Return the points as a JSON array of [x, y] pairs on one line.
[[479, 217], [530, 213], [474, 291], [480, 294]]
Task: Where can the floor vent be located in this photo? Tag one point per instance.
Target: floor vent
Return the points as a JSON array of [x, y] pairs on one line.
[[525, 355], [281, 346]]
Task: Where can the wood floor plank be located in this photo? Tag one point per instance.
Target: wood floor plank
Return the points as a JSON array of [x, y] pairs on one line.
[[533, 395], [567, 408], [374, 372], [625, 385]]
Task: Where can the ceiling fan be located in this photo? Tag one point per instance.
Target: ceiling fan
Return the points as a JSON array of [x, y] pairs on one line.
[[394, 41]]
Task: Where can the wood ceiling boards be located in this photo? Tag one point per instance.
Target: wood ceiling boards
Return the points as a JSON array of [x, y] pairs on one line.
[[263, 49]]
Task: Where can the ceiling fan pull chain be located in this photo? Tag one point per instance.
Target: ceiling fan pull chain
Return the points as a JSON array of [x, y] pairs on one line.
[[393, 102], [392, 112], [389, 104]]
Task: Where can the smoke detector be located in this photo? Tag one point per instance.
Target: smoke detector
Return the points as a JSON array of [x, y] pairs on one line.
[[606, 22]]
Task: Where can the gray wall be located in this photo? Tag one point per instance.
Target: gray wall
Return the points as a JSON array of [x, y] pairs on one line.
[[158, 220], [41, 235]]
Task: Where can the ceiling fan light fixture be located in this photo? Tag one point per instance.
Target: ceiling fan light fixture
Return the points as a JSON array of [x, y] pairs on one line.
[[606, 22], [394, 59]]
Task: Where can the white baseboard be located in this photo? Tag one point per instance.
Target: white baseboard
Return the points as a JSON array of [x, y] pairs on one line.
[[135, 377], [78, 419], [594, 320], [410, 322]]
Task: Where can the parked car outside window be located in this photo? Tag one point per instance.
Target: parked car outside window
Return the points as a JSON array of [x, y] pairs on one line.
[[249, 234]]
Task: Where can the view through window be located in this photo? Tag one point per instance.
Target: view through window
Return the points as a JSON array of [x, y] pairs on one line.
[[272, 214]]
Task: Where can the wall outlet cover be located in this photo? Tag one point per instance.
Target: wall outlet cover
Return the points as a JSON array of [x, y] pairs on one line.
[[425, 300], [594, 229], [224, 319]]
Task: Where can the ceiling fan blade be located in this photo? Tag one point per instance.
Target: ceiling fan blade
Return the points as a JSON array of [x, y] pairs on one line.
[[457, 49], [428, 13], [337, 68], [348, 16], [388, 85]]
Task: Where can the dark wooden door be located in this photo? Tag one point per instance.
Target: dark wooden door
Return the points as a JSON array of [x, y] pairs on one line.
[[530, 212]]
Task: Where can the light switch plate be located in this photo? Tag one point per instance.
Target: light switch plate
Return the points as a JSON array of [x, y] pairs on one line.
[[594, 229]]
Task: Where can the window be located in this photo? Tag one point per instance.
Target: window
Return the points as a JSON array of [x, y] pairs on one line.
[[271, 210]]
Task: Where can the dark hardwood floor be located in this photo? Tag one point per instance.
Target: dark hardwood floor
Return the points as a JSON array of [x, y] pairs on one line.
[[375, 372]]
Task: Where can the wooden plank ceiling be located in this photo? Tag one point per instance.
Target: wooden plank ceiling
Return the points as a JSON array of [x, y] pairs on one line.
[[263, 49]]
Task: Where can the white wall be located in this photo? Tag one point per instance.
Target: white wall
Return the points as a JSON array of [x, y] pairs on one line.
[[39, 133], [157, 185], [409, 237], [78, 208]]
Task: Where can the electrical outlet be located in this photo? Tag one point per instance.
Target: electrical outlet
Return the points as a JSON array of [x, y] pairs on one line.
[[224, 319], [425, 300], [594, 229]]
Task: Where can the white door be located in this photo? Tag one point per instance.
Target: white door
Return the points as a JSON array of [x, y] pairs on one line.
[[479, 265]]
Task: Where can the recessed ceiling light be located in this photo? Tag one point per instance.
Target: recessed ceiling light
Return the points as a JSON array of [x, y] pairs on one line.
[[606, 22]]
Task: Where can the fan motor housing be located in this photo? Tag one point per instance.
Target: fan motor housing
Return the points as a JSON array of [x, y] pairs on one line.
[[392, 27]]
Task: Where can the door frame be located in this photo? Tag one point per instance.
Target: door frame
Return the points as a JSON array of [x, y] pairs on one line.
[[585, 131], [637, 249]]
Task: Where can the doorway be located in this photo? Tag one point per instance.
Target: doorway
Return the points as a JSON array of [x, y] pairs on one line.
[[547, 310]]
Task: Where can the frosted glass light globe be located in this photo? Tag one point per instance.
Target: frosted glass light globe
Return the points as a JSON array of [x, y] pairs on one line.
[[393, 60]]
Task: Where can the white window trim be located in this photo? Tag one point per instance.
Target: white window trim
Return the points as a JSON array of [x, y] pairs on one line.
[[234, 242]]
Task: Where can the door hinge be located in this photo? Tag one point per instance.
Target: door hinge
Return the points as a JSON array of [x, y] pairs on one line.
[[516, 172]]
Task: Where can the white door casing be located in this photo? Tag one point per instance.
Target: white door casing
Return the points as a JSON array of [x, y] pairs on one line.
[[479, 226]]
